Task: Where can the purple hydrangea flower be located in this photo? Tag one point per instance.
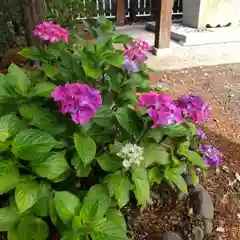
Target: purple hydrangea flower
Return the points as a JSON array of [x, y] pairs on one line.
[[79, 100], [161, 108], [211, 155], [130, 65], [201, 134], [194, 107]]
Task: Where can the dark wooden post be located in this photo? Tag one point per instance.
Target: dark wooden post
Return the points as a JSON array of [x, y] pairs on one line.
[[163, 24], [120, 13]]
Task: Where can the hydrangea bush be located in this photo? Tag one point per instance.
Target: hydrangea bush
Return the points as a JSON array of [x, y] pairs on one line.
[[84, 132]]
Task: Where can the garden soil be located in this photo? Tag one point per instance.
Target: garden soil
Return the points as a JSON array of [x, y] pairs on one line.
[[220, 87]]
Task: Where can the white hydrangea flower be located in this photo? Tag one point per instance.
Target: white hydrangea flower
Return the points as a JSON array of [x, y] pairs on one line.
[[132, 154]]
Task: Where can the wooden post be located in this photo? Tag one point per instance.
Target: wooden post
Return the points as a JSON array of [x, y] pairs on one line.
[[120, 13], [163, 24]]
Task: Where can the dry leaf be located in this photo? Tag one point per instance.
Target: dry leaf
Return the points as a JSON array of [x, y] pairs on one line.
[[220, 230], [225, 168], [237, 176]]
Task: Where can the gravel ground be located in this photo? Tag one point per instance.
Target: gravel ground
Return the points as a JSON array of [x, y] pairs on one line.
[[220, 87]]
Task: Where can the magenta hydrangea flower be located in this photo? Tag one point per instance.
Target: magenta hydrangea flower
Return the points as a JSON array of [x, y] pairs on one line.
[[161, 108], [51, 32], [130, 65], [79, 100], [194, 107], [136, 50], [201, 134], [211, 155]]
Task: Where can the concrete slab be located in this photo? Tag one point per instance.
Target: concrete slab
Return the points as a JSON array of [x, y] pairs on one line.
[[179, 57]]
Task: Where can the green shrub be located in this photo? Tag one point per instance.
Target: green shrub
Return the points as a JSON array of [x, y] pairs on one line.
[[80, 176]]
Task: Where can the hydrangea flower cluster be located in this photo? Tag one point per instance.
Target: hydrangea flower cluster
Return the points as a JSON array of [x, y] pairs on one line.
[[161, 108], [79, 100], [135, 54], [194, 107], [131, 154], [51, 32], [211, 155], [201, 134]]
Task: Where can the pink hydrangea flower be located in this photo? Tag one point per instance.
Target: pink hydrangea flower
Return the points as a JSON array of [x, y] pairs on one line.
[[136, 50], [161, 108], [51, 32], [79, 100], [194, 107]]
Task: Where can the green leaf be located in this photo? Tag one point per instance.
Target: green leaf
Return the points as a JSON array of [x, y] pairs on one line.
[[9, 176], [43, 89], [32, 228], [53, 212], [121, 38], [13, 234], [142, 186], [107, 230], [194, 176], [154, 175], [178, 130], [195, 159], [32, 53], [31, 143], [90, 71], [115, 148], [27, 194], [109, 163], [155, 153], [18, 79], [116, 217], [10, 125], [67, 205], [115, 59], [125, 118], [8, 218], [85, 147], [53, 166], [156, 134], [103, 117], [81, 169], [119, 185], [41, 118], [50, 71], [95, 203], [173, 175], [41, 207]]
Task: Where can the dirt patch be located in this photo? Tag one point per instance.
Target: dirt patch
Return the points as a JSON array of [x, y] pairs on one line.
[[220, 87]]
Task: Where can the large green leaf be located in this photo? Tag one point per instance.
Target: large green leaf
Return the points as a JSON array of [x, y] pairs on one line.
[[9, 176], [41, 118], [195, 159], [81, 169], [115, 59], [91, 71], [142, 186], [155, 133], [116, 217], [178, 130], [95, 203], [43, 89], [119, 185], [173, 175], [18, 79], [31, 143], [27, 194], [103, 117], [154, 175], [50, 71], [13, 234], [121, 38], [32, 228], [10, 125], [53, 166], [107, 230], [32, 53], [155, 153], [85, 147], [41, 207], [109, 163], [67, 205], [8, 218], [127, 120]]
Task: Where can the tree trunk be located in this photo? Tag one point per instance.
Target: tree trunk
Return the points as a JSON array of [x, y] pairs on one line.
[[33, 13]]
